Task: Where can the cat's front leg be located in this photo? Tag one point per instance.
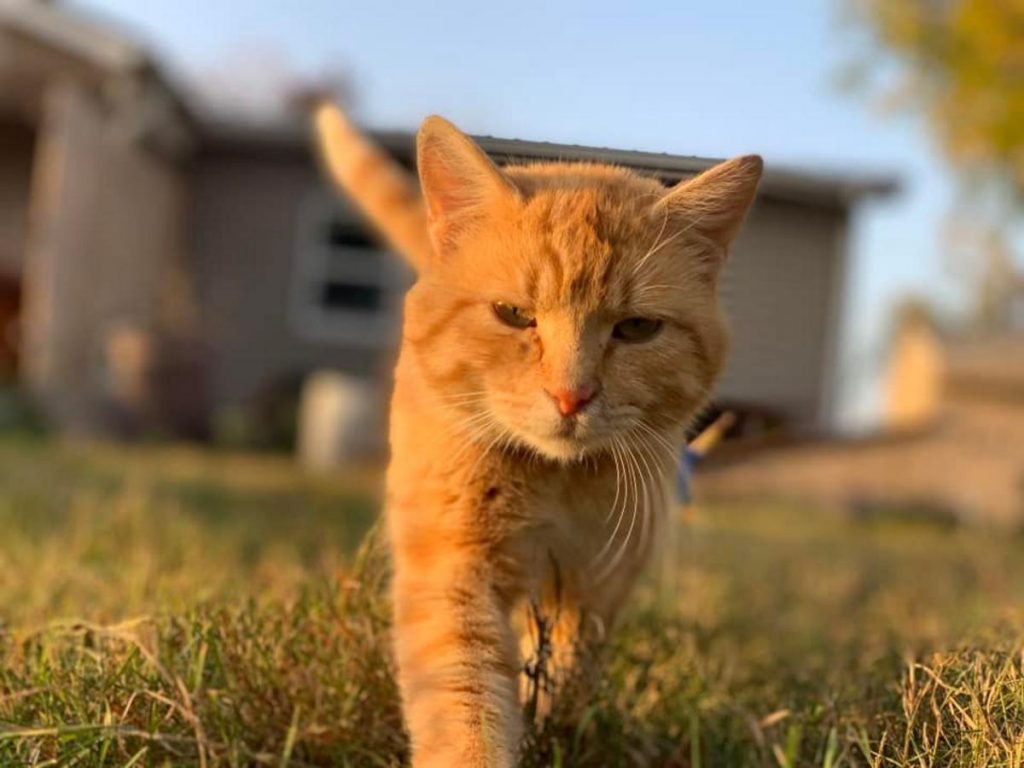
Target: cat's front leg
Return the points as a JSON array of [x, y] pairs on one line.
[[457, 666]]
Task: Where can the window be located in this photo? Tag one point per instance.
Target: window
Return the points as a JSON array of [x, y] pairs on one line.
[[346, 287], [338, 295]]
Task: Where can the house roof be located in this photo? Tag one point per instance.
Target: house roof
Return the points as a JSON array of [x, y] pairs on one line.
[[97, 53], [807, 187], [98, 44]]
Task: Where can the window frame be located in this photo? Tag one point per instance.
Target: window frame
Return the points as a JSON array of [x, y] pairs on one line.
[[317, 263]]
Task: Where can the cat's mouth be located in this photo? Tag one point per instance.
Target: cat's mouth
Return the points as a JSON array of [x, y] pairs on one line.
[[570, 439], [554, 436], [567, 428]]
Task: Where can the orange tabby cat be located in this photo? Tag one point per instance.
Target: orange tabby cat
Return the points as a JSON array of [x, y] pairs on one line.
[[563, 329]]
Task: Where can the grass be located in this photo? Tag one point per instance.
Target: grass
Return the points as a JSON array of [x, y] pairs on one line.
[[169, 607]]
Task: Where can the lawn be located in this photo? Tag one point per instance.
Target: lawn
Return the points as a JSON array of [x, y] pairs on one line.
[[169, 606]]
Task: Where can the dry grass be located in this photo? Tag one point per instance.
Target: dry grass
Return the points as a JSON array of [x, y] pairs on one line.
[[169, 607]]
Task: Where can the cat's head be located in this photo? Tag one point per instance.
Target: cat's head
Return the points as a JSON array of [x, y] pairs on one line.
[[568, 308]]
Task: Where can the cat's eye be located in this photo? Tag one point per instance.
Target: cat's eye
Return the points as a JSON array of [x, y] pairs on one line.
[[513, 316], [636, 329]]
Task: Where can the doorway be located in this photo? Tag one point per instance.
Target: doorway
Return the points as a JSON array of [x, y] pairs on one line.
[[17, 153]]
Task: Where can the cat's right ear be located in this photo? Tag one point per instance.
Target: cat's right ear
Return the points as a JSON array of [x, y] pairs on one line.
[[459, 181]]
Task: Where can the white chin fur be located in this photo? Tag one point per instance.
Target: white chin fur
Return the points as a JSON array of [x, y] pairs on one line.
[[565, 450]]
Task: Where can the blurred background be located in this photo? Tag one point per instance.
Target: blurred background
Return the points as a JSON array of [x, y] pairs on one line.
[[174, 267], [197, 334]]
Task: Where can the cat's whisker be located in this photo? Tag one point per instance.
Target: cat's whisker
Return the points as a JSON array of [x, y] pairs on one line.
[[475, 416], [618, 508], [459, 418], [615, 501], [464, 450], [630, 491], [508, 439], [657, 239], [471, 425], [620, 467], [475, 429], [638, 267], [640, 506], [657, 287], [464, 399], [467, 393], [654, 476], [671, 451], [664, 457], [476, 433], [675, 236], [638, 487], [502, 433], [464, 407]]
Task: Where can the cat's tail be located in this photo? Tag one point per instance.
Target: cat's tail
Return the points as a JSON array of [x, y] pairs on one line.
[[382, 189]]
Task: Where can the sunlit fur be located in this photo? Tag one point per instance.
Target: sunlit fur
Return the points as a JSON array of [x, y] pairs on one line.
[[495, 500]]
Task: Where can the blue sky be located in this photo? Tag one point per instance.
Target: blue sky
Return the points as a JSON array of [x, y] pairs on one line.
[[713, 79]]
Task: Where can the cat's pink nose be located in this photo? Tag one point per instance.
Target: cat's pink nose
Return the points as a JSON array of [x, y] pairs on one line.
[[571, 401]]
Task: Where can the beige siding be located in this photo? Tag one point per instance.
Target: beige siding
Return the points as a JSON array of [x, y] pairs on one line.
[[107, 220], [780, 293], [247, 227], [57, 316]]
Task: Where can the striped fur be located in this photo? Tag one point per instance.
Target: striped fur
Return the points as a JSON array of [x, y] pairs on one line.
[[503, 515]]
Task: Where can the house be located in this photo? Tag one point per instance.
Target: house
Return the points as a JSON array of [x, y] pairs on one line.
[[161, 268]]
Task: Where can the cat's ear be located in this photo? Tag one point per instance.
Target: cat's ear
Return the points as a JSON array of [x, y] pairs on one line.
[[459, 181], [716, 202]]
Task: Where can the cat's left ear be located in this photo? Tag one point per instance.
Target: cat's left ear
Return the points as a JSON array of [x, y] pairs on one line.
[[715, 202]]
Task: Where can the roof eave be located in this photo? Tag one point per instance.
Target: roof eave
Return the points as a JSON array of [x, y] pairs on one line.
[[73, 35], [833, 190], [109, 54]]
